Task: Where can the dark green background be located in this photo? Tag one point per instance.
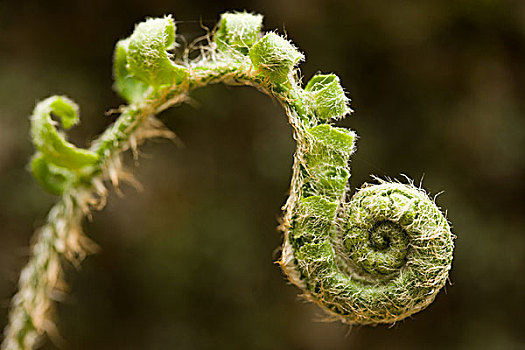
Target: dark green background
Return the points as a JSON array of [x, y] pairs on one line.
[[438, 88]]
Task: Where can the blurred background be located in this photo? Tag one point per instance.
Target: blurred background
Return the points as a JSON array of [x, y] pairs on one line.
[[438, 90]]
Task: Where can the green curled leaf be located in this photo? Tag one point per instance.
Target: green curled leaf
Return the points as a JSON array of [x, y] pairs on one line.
[[275, 57], [126, 85], [52, 178], [328, 96], [238, 31], [50, 142], [325, 164], [326, 180], [329, 144], [147, 57]]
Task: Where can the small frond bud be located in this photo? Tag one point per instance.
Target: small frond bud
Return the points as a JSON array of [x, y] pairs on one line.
[[328, 96], [328, 142], [275, 57], [341, 140], [147, 57], [238, 31], [50, 142]]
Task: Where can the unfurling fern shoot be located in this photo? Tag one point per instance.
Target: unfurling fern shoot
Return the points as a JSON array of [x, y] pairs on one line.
[[376, 258]]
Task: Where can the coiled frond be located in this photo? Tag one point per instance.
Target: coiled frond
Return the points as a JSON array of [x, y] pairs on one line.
[[376, 258]]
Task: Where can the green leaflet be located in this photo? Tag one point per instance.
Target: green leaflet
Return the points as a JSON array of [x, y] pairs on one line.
[[148, 60], [238, 32], [50, 142], [326, 161], [275, 57], [329, 97], [130, 88], [53, 166]]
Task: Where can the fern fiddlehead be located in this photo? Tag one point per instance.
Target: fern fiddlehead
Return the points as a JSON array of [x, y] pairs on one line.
[[376, 258]]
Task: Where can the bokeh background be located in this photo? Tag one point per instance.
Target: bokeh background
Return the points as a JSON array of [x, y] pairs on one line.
[[439, 93]]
